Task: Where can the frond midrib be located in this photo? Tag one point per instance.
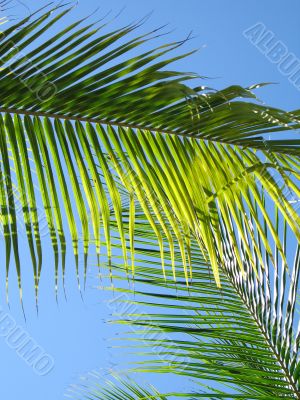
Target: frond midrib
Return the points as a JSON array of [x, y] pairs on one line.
[[90, 120], [94, 120]]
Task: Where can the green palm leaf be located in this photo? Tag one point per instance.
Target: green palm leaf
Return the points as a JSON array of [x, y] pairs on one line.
[[78, 111], [245, 336]]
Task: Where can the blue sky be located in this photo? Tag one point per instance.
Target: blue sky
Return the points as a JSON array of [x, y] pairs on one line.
[[74, 332]]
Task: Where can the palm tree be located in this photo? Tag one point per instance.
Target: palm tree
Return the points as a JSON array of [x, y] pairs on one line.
[[120, 153]]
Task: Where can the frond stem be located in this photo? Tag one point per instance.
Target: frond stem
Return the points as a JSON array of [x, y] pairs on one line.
[[90, 120]]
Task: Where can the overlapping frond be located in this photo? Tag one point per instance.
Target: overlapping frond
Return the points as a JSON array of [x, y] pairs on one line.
[[80, 114], [244, 335]]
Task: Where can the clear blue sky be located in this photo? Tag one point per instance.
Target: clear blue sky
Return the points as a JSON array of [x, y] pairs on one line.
[[73, 332]]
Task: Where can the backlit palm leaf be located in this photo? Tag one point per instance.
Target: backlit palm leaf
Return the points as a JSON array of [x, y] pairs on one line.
[[78, 110]]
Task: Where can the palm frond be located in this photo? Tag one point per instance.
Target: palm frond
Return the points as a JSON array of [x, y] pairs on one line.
[[244, 335], [80, 110]]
